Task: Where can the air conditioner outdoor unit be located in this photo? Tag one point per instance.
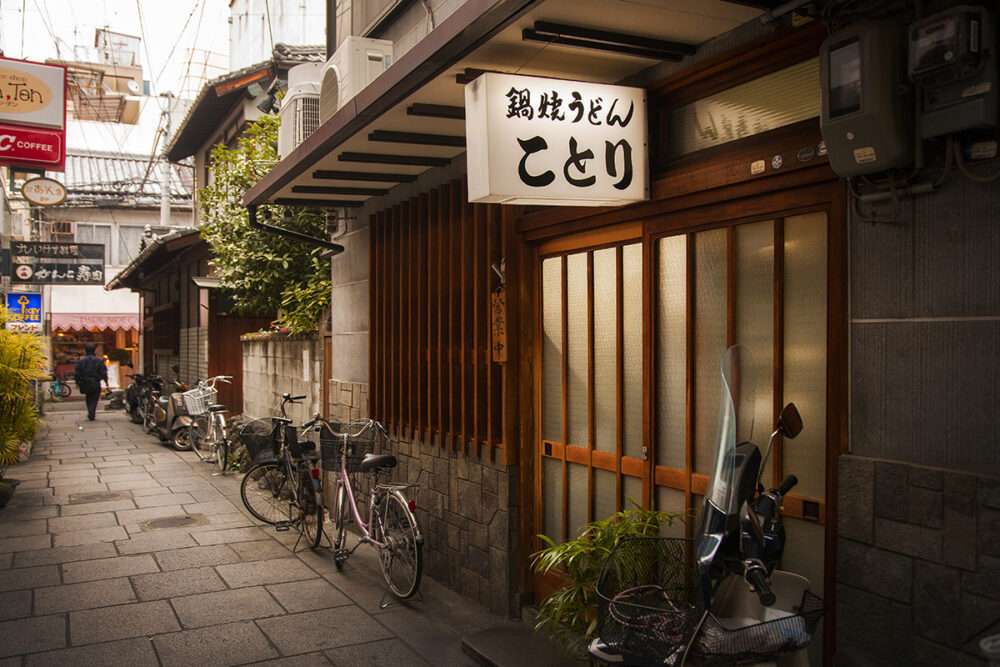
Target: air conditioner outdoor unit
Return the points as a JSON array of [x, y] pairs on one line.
[[300, 107], [356, 63]]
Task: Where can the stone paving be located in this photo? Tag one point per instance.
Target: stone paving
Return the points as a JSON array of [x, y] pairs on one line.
[[86, 579]]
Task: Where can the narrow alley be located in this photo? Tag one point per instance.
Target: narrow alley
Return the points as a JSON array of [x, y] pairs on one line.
[[118, 550]]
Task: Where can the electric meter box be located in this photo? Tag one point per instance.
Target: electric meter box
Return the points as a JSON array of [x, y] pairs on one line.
[[954, 61], [867, 104]]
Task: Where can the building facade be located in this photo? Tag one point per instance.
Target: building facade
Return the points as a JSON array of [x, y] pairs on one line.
[[882, 329]]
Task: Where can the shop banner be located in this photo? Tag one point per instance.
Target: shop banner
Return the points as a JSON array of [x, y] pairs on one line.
[[32, 114], [24, 311], [40, 263], [554, 142]]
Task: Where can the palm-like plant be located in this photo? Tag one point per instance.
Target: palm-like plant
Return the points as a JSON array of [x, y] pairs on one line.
[[570, 614], [21, 358]]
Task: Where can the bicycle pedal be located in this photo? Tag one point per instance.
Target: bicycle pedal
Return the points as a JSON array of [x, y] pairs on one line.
[[282, 526]]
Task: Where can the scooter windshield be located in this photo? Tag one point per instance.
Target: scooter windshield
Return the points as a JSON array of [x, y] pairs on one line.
[[736, 413], [735, 426]]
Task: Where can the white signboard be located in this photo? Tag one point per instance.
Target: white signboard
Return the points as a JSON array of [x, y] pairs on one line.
[[32, 94], [532, 140]]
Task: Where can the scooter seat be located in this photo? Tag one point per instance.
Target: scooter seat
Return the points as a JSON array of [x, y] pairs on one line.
[[218, 407], [372, 461]]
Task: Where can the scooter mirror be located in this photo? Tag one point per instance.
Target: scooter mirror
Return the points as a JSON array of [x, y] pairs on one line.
[[789, 422], [176, 368]]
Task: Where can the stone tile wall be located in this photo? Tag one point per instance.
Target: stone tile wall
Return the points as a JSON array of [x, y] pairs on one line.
[[464, 507], [918, 561]]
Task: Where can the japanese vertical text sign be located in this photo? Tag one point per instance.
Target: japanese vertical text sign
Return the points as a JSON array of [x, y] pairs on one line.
[[24, 311], [555, 142], [32, 114]]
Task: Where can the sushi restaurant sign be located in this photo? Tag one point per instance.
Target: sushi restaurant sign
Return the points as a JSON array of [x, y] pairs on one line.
[[532, 140]]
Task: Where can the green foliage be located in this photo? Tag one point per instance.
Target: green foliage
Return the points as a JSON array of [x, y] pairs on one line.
[[21, 358], [570, 614], [265, 272]]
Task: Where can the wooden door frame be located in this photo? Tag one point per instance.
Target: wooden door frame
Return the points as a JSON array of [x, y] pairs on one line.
[[807, 187]]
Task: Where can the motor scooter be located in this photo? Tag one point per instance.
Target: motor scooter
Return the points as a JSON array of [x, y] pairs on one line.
[[170, 419], [721, 598]]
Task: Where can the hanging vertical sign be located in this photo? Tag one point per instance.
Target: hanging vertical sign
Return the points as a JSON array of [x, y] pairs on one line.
[[32, 114], [533, 140]]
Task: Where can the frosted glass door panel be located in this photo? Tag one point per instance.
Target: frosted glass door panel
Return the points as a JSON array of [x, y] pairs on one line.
[[632, 331], [577, 492], [805, 349], [671, 352], [552, 485], [755, 315], [578, 348], [709, 340], [552, 349], [606, 350], [605, 488]]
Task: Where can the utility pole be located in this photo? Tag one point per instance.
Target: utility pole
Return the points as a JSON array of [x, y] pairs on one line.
[[165, 177]]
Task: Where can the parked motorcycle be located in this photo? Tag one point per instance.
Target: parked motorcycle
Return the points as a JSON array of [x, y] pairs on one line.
[[170, 419], [137, 393], [718, 600]]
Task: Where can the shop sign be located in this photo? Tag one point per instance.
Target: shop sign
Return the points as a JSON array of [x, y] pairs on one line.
[[532, 140], [24, 311], [32, 114], [44, 191], [32, 94], [40, 263]]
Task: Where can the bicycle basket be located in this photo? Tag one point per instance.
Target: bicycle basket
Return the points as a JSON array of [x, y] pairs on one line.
[[197, 400], [260, 437], [732, 642], [331, 444], [649, 599]]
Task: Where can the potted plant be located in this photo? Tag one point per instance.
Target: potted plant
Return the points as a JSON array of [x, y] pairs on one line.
[[569, 615], [21, 357]]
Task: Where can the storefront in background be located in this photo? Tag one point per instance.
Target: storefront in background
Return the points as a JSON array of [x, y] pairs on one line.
[[115, 335]]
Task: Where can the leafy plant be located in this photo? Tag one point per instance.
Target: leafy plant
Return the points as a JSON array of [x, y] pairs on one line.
[[570, 614], [265, 273], [21, 357]]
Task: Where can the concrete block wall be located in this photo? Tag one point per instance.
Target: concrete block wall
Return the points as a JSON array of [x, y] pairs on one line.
[[464, 507], [918, 560], [274, 365]]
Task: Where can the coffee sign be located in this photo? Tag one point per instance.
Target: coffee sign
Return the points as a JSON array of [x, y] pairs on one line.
[[32, 114], [534, 140]]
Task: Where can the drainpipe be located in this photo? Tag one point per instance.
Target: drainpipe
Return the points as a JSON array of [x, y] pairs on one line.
[[335, 248], [331, 27]]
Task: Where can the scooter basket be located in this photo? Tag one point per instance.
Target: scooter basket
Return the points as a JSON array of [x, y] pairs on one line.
[[260, 437], [650, 603], [720, 642]]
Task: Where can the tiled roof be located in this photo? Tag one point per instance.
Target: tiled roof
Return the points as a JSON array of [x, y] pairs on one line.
[[119, 179], [295, 55]]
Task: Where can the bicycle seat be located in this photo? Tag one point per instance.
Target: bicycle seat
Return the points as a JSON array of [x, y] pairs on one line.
[[218, 407], [372, 461]]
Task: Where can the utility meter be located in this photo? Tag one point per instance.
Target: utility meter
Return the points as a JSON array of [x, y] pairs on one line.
[[953, 59], [867, 104]]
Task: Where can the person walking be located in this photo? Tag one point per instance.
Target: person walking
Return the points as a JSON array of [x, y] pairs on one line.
[[90, 370]]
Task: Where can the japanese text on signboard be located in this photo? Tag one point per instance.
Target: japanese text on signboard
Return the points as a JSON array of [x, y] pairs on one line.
[[547, 138], [57, 263]]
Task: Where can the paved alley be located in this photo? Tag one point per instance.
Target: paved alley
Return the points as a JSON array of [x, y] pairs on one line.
[[94, 571]]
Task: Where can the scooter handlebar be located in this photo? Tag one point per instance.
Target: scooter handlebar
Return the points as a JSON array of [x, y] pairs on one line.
[[756, 577], [787, 484]]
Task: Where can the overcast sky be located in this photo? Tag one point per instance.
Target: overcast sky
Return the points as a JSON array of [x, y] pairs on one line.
[[169, 30]]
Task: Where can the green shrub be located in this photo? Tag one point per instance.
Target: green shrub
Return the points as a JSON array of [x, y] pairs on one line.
[[21, 359]]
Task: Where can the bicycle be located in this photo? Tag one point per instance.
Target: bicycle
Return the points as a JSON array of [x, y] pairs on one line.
[[207, 432], [285, 482], [59, 388], [391, 527]]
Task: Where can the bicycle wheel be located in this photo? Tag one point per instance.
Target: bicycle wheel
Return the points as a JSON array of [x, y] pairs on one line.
[[401, 558], [341, 515], [266, 493], [64, 390], [311, 506], [200, 436]]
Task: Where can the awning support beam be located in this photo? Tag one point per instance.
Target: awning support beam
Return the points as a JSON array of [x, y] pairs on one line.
[[290, 234]]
